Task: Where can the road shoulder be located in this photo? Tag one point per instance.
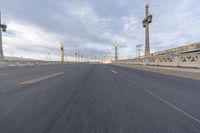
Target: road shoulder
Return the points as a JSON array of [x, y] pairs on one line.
[[190, 73]]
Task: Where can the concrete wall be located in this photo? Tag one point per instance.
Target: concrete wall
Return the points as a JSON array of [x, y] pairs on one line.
[[20, 63], [12, 63], [181, 60]]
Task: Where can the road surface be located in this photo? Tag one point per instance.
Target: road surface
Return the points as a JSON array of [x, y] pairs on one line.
[[94, 98]]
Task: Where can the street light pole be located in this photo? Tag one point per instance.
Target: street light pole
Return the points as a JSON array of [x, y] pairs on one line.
[[116, 51], [49, 56], [76, 57], [62, 53], [146, 22], [2, 28]]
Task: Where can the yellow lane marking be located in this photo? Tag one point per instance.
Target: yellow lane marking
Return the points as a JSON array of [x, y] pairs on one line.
[[41, 78]]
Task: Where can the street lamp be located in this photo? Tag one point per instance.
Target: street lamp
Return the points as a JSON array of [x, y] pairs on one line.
[[147, 20], [3, 28], [144, 23]]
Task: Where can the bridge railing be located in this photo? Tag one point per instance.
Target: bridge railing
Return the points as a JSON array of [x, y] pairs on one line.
[[13, 63], [181, 60], [28, 63]]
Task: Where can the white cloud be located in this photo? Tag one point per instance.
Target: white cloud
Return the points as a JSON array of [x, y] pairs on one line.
[[27, 38], [90, 26], [175, 26]]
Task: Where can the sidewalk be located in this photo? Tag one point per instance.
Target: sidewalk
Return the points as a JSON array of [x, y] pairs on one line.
[[192, 73]]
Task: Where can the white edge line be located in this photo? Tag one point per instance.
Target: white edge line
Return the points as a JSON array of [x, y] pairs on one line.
[[161, 99], [113, 71]]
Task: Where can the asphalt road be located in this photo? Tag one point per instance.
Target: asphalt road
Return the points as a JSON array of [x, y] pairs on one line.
[[96, 99]]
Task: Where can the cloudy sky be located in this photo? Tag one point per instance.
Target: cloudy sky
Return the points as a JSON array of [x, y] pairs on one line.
[[36, 27]]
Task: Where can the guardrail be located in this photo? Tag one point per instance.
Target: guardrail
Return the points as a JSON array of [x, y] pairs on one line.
[[182, 60]]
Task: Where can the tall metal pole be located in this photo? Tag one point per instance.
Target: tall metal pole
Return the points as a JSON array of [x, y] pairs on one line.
[[76, 57], [62, 52], [49, 56], [1, 48], [147, 49], [146, 22], [115, 52]]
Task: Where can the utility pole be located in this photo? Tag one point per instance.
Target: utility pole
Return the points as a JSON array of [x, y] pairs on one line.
[[3, 28], [138, 49], [76, 57], [62, 52], [81, 58], [85, 59], [146, 22], [49, 55], [116, 52]]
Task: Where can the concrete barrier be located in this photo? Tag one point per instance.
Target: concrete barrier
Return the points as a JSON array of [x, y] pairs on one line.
[[21, 63], [182, 60], [16, 63]]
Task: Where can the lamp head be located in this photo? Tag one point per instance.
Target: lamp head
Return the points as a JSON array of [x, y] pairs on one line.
[[4, 27], [144, 23], [149, 18]]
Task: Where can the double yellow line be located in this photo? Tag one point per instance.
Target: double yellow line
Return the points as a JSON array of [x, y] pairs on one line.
[[41, 78]]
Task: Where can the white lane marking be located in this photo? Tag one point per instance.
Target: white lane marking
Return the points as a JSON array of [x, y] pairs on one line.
[[163, 100], [113, 71]]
